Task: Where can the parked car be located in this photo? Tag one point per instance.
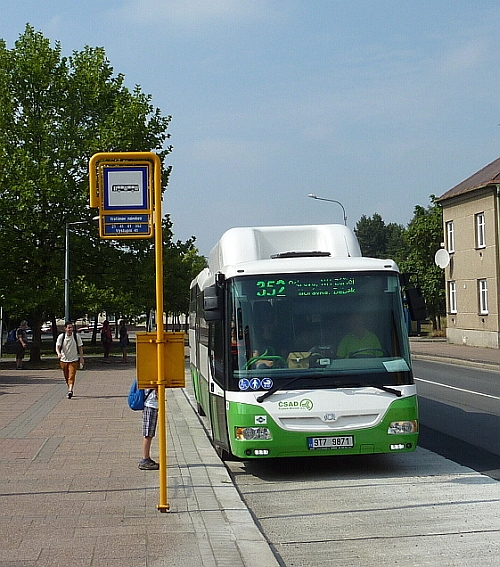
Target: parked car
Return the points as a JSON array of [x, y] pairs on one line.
[[89, 329]]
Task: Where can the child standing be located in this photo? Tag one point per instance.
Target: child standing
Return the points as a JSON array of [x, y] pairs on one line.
[[149, 420]]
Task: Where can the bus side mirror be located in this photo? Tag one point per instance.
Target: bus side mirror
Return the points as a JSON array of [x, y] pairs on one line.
[[212, 303], [414, 298], [416, 303]]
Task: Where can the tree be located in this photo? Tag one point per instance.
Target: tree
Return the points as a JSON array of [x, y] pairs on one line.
[[121, 278], [371, 236], [56, 113], [424, 236], [397, 246], [413, 249], [378, 240], [182, 264]]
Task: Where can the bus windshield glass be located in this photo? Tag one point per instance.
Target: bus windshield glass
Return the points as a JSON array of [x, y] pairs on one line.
[[318, 330]]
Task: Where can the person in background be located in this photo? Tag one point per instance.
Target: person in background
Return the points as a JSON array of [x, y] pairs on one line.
[[123, 339], [106, 339], [22, 340], [69, 349], [149, 421]]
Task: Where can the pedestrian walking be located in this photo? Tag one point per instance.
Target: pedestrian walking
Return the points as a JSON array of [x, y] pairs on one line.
[[123, 339], [21, 343], [69, 348], [106, 339], [149, 421]]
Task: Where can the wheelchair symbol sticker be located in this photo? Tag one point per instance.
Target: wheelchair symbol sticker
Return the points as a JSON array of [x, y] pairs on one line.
[[243, 384]]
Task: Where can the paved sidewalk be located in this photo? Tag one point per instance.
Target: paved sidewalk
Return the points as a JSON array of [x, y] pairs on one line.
[[440, 349], [71, 493]]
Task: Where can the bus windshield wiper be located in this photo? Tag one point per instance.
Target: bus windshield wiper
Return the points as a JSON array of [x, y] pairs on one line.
[[390, 390], [278, 387], [270, 392], [383, 388]]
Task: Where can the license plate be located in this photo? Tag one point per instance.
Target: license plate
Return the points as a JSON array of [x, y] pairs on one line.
[[337, 442]]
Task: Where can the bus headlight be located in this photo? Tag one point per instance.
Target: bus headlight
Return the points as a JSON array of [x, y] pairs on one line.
[[253, 433], [403, 427]]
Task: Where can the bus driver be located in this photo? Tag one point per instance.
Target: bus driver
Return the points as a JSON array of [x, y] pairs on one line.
[[359, 341]]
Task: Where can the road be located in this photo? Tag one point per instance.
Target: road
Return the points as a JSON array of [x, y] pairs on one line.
[[416, 509], [460, 414]]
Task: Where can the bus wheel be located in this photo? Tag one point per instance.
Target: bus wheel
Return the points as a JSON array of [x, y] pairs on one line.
[[200, 411]]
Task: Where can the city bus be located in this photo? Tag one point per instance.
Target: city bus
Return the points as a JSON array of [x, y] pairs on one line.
[[279, 365]]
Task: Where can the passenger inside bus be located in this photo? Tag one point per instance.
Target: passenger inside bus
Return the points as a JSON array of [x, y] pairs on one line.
[[359, 342]]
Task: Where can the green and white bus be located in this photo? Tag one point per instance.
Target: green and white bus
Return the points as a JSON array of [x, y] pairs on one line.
[[278, 361]]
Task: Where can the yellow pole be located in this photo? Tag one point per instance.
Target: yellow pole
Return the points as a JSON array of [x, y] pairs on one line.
[[163, 506], [95, 201]]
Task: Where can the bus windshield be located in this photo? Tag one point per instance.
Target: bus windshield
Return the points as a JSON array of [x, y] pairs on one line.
[[318, 330]]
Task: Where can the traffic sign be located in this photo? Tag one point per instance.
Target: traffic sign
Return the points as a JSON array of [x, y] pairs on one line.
[[126, 188], [122, 188]]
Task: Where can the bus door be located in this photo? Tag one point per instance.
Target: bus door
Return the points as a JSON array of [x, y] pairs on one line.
[[216, 390]]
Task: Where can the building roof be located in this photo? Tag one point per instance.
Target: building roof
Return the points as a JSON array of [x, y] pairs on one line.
[[489, 175]]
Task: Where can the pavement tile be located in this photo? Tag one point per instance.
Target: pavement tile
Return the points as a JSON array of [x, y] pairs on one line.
[[71, 491]]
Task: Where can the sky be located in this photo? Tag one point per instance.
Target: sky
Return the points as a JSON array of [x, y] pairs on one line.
[[377, 104]]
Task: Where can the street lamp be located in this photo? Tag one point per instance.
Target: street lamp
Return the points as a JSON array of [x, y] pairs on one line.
[[66, 266], [331, 201]]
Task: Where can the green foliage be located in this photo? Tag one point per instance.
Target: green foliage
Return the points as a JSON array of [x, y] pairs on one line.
[[378, 240], [397, 246], [56, 113], [413, 249], [424, 236], [181, 264]]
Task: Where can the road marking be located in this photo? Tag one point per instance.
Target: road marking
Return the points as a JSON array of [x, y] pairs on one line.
[[458, 389]]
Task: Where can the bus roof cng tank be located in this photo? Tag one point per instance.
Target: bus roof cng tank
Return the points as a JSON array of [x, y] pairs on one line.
[[250, 244]]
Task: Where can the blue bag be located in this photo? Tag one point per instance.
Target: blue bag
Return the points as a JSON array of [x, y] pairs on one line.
[[136, 397]]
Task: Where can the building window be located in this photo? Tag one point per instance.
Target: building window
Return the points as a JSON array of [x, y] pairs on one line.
[[450, 237], [482, 288], [452, 297], [480, 231]]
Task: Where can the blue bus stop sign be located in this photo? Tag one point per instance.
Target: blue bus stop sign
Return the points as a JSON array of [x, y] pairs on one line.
[[126, 202]]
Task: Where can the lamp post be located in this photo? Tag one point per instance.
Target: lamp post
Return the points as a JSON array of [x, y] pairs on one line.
[[312, 196], [66, 266]]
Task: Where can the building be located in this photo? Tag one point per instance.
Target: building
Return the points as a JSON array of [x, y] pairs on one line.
[[471, 228]]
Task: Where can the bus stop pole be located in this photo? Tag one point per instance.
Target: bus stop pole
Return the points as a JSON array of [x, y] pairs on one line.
[[160, 340]]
